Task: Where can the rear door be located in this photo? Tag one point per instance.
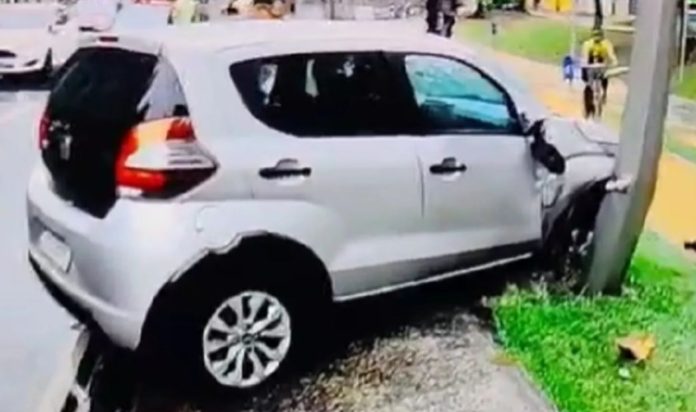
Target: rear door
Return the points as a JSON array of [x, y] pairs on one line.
[[480, 193], [339, 146]]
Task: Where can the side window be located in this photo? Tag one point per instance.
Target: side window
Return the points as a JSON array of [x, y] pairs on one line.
[[322, 94], [455, 98]]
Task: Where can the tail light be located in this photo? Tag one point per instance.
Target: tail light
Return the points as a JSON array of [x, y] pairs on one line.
[[43, 131], [161, 158]]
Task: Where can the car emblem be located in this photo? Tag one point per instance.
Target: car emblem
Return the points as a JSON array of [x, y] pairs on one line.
[[64, 148]]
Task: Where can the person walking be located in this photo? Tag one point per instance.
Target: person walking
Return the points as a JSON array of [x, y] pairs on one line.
[[183, 12], [448, 9]]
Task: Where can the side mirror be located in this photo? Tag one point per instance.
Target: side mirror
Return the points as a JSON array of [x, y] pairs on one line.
[[544, 152]]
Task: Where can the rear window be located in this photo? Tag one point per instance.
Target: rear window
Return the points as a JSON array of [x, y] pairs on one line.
[[322, 94], [101, 93], [102, 84]]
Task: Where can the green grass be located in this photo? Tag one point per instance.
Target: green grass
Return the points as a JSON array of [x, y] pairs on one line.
[[567, 343], [679, 148], [543, 40], [534, 38], [687, 88]]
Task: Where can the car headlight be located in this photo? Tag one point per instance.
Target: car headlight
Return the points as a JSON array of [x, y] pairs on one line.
[[550, 185]]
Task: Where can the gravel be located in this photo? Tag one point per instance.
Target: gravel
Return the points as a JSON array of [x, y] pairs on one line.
[[425, 350]]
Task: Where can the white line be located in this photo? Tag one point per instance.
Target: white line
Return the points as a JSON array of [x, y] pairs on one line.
[[17, 111]]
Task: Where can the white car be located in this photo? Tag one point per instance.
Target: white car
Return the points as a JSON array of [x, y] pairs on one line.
[[27, 45], [205, 191]]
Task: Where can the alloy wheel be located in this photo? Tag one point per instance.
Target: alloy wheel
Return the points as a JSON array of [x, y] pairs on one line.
[[246, 339]]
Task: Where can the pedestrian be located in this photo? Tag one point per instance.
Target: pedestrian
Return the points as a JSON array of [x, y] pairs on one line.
[[268, 9], [448, 10], [182, 12], [568, 69]]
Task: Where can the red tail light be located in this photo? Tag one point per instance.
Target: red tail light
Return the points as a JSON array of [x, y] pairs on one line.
[[161, 158], [43, 131]]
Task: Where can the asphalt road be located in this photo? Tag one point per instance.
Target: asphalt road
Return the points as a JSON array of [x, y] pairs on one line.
[[36, 332]]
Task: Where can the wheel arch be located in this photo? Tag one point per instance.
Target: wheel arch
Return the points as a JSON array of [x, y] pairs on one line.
[[585, 201], [246, 248]]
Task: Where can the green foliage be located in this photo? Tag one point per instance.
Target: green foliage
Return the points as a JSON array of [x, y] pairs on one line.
[[687, 88], [567, 342]]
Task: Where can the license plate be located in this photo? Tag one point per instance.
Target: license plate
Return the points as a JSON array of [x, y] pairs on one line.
[[56, 250]]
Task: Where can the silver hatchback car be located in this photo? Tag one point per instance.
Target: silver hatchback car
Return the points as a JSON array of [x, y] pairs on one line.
[[213, 187]]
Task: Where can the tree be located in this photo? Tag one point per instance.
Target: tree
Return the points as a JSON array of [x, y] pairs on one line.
[[598, 14], [481, 9]]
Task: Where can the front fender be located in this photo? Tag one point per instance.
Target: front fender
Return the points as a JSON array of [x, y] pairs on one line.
[[583, 172]]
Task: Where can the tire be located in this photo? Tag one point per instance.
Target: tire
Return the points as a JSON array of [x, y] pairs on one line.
[[570, 242], [196, 331]]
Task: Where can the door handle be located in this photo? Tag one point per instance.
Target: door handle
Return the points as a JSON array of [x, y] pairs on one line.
[[448, 165], [285, 168]]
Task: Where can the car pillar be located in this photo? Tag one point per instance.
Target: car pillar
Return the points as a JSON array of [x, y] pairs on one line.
[[623, 211]]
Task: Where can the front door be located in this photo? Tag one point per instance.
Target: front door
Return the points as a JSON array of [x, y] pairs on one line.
[[481, 202], [340, 155]]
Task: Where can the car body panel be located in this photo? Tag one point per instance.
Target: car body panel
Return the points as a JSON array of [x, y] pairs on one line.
[[367, 212]]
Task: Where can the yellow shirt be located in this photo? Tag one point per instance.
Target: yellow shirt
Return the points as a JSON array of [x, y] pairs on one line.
[[596, 52]]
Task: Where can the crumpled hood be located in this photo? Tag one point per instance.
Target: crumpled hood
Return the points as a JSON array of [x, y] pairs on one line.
[[580, 137]]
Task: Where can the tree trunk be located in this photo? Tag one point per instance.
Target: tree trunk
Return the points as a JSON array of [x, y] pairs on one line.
[[598, 15], [480, 12]]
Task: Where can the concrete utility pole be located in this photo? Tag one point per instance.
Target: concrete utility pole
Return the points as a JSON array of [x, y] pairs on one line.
[[622, 214]]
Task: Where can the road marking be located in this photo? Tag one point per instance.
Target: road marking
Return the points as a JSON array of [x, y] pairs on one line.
[[17, 111]]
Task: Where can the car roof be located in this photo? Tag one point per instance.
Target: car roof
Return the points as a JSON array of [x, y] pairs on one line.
[[215, 36]]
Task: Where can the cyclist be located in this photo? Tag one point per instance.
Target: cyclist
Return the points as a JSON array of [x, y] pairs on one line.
[[596, 50]]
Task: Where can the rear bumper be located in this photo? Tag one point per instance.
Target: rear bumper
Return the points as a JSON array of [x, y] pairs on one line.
[[123, 329], [117, 264]]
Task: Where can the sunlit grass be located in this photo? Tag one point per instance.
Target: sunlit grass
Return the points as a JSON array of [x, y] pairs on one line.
[[687, 88], [543, 40], [567, 343]]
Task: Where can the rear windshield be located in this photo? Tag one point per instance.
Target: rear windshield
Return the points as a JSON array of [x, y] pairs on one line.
[[116, 86], [101, 93], [105, 84]]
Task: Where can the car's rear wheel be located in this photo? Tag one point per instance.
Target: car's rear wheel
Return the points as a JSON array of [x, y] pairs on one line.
[[234, 331], [246, 339]]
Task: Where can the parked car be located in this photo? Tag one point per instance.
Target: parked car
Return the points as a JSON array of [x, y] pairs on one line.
[[28, 47], [206, 191]]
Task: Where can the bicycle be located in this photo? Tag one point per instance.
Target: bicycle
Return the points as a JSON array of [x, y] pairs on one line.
[[595, 77]]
